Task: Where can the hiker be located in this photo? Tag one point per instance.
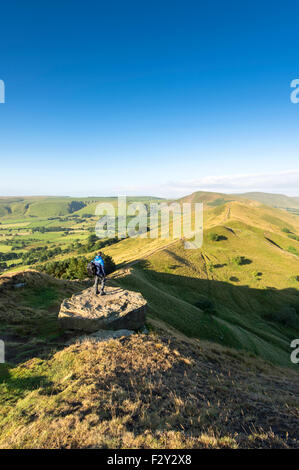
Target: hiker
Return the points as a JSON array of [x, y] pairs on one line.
[[100, 273]]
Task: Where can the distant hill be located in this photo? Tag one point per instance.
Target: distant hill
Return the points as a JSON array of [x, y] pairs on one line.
[[42, 206], [52, 206], [215, 199], [274, 200], [210, 198]]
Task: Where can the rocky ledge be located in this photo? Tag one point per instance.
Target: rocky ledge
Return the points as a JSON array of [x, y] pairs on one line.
[[118, 309]]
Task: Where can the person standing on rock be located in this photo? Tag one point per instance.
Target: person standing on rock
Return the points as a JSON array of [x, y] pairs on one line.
[[100, 273]]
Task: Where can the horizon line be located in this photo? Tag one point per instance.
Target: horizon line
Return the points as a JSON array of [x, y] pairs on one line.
[[238, 193]]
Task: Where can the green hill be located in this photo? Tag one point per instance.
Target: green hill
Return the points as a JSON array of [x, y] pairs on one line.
[[214, 199], [45, 206], [206, 197], [240, 289], [38, 206], [274, 200]]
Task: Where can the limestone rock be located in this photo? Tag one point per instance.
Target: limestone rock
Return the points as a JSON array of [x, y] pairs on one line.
[[118, 309]]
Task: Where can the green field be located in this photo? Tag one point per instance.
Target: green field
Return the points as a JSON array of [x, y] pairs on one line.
[[240, 289]]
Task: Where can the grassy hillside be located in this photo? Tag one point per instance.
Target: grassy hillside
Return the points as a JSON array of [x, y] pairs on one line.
[[215, 370], [240, 289], [45, 206], [274, 200], [215, 199], [161, 390], [38, 206], [208, 198]]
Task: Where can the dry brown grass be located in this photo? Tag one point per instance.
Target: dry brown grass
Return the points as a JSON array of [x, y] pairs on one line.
[[155, 391]]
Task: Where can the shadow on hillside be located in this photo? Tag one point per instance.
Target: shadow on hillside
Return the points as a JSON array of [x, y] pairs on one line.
[[279, 307], [28, 314], [21, 384]]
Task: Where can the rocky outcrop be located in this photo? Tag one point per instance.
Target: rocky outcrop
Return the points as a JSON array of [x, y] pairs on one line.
[[118, 309]]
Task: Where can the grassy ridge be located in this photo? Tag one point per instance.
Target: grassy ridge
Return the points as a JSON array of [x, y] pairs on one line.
[[246, 272], [247, 299], [155, 391], [274, 200]]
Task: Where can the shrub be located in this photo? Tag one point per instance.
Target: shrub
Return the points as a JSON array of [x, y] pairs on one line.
[[241, 260], [286, 316], [257, 274], [110, 266], [294, 237], [205, 304], [215, 237], [74, 268], [10, 256], [93, 243], [210, 267]]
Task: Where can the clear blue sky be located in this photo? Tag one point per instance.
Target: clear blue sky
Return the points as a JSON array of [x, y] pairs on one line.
[[158, 97]]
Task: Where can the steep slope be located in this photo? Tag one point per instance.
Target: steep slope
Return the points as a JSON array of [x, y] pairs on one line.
[[148, 391], [162, 390], [241, 290], [252, 213]]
